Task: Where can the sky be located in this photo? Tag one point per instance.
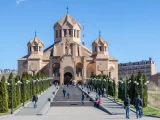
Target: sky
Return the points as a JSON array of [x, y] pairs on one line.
[[131, 27]]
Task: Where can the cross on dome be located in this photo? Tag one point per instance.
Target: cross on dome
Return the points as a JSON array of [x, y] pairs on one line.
[[67, 9]]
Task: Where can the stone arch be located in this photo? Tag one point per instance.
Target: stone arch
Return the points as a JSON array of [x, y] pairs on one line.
[[91, 69], [56, 67], [68, 74], [111, 71], [79, 67]]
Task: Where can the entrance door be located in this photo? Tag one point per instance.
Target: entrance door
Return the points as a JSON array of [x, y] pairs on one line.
[[67, 78]]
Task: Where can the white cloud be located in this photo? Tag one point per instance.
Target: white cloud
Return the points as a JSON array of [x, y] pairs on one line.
[[18, 2]]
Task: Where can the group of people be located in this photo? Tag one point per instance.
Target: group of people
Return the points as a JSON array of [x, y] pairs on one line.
[[138, 105], [64, 93]]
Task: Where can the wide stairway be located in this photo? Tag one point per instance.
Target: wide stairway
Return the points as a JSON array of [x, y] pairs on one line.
[[73, 100]]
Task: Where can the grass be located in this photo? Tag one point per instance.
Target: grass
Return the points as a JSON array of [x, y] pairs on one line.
[[9, 110], [147, 110], [154, 98]]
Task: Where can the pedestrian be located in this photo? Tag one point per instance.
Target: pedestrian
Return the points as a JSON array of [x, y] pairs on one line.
[[64, 92], [99, 102], [138, 105], [34, 100], [99, 93], [67, 84], [88, 90], [82, 100], [68, 94], [96, 96], [102, 92], [127, 102]]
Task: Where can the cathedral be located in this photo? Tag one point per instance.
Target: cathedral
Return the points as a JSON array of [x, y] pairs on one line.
[[68, 58]]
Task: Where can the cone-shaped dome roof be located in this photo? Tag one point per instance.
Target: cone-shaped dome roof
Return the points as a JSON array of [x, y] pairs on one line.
[[36, 40], [69, 19]]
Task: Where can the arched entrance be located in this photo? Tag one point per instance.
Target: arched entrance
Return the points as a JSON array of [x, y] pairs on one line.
[[67, 78], [68, 74]]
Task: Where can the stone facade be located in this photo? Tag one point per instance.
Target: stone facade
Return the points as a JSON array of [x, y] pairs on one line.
[[68, 58]]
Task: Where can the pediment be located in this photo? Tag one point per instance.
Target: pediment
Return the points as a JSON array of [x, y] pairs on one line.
[[67, 25], [77, 26]]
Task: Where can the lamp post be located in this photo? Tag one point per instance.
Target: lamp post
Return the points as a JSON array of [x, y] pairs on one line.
[[107, 85], [23, 91], [31, 90], [141, 88], [125, 85]]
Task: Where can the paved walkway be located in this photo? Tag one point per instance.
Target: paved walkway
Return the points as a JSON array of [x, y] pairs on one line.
[[75, 113], [42, 100], [110, 105]]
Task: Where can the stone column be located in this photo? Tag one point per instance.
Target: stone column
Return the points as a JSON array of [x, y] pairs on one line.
[[74, 70], [84, 67], [61, 76], [62, 33]]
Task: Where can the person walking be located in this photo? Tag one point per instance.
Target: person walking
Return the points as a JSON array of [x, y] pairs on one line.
[[34, 100], [68, 94], [99, 93], [138, 105], [88, 90], [82, 100], [127, 102], [64, 93], [102, 92]]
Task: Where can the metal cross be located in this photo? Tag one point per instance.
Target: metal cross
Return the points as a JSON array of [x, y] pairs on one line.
[[35, 33], [67, 9], [99, 34]]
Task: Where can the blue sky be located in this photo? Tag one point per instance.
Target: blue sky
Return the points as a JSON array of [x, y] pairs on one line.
[[131, 27]]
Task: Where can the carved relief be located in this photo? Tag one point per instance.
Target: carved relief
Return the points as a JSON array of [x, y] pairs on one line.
[[33, 66], [101, 66]]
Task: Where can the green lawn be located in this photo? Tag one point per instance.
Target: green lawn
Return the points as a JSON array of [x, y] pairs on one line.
[[147, 110]]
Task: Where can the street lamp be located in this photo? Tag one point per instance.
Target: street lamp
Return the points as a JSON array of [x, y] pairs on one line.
[[107, 85], [141, 88], [125, 85]]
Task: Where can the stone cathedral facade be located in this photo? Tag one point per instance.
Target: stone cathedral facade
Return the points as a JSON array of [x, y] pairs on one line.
[[67, 58]]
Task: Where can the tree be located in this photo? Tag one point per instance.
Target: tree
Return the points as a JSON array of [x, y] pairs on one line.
[[131, 91], [3, 96], [10, 90]]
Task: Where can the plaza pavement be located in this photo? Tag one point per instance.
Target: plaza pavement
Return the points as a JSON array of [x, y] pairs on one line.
[[42, 100], [76, 113]]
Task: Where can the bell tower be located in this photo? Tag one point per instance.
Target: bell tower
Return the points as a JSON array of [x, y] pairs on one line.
[[67, 24]]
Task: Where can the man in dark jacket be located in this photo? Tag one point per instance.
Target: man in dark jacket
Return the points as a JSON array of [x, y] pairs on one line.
[[138, 106], [34, 100], [127, 106]]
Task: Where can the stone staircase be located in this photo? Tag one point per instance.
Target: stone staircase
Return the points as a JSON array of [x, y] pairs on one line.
[[74, 100]]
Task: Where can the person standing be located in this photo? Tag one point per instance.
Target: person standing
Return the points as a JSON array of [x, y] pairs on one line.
[[34, 100], [127, 106], [138, 106], [82, 100]]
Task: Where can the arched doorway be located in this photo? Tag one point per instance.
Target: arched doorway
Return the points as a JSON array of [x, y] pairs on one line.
[[68, 74], [67, 78]]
